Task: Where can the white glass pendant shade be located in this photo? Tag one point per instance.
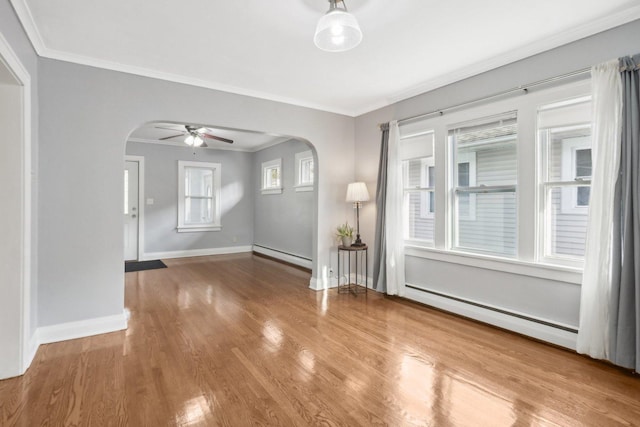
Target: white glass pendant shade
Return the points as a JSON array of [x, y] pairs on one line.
[[337, 31], [193, 140], [197, 141]]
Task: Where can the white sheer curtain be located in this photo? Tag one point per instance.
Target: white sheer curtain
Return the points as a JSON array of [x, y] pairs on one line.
[[593, 335], [394, 230]]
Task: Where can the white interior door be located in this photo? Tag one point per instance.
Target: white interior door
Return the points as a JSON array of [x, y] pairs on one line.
[[131, 210]]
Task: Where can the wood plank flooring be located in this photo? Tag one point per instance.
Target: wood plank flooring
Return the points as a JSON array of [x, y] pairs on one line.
[[239, 340]]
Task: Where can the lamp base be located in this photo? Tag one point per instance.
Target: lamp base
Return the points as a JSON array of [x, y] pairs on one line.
[[358, 243]]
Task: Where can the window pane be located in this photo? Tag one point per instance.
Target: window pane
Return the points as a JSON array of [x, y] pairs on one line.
[[565, 135], [463, 174], [492, 227], [198, 210], [583, 196], [418, 226], [198, 182], [306, 171], [583, 163], [431, 184], [486, 155], [412, 170], [566, 231]]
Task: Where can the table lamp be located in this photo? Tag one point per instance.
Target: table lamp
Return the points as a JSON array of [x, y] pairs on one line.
[[357, 193]]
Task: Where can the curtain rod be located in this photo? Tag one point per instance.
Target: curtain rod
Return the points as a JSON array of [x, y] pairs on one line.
[[523, 88]]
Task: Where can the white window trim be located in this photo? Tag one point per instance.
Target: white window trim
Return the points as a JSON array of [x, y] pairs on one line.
[[528, 199], [570, 194], [299, 158], [268, 165], [217, 185], [471, 159], [425, 203]]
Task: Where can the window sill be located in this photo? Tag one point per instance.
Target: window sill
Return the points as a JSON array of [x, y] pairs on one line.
[[272, 191], [197, 229], [523, 268], [301, 188]]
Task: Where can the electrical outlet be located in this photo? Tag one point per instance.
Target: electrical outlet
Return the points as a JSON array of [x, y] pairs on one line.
[[235, 239]]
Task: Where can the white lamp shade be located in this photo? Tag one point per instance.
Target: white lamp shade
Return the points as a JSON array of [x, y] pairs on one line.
[[337, 31], [189, 140], [357, 192]]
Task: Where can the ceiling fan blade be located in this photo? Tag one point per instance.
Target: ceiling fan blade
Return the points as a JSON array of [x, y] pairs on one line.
[[169, 128], [169, 137], [217, 138]]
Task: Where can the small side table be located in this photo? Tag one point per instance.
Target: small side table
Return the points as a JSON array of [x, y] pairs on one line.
[[355, 287]]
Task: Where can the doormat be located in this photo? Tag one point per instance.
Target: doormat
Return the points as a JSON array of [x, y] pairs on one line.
[[131, 266]]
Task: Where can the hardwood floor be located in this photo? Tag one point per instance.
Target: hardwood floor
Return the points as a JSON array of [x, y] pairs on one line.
[[240, 340]]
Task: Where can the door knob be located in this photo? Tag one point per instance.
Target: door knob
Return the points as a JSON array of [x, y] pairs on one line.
[[133, 216]]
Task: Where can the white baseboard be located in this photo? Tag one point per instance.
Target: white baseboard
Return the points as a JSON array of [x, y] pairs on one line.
[[34, 344], [293, 259], [81, 328], [195, 252], [530, 328], [320, 284]]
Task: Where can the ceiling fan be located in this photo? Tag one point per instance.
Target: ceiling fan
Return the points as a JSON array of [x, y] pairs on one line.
[[195, 135]]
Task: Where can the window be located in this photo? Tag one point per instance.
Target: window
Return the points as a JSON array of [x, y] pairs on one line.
[[272, 177], [199, 196], [466, 178], [564, 134], [427, 181], [484, 186], [304, 171], [419, 172]]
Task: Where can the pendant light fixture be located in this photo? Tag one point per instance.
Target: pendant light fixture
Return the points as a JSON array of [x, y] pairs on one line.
[[337, 30]]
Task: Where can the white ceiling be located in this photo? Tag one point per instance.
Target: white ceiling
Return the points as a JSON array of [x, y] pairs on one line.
[[265, 48], [242, 140]]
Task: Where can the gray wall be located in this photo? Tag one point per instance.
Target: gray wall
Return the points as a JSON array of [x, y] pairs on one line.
[[161, 184], [542, 298], [12, 31], [283, 222], [86, 115]]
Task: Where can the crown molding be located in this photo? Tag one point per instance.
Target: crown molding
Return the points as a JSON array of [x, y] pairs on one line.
[[546, 44], [582, 31]]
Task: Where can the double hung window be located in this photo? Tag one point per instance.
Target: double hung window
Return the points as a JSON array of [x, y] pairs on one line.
[[272, 177], [418, 169], [484, 185], [564, 134], [304, 171], [199, 196]]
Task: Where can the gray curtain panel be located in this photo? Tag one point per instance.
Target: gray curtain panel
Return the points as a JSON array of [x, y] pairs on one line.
[[379, 252], [625, 295]]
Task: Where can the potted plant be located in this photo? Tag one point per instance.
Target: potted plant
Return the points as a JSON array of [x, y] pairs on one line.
[[345, 233]]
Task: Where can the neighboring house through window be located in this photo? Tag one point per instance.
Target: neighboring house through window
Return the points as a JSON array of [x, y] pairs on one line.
[[418, 167], [484, 165], [564, 132], [199, 196]]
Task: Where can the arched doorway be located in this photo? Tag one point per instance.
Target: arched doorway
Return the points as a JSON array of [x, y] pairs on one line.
[[159, 150]]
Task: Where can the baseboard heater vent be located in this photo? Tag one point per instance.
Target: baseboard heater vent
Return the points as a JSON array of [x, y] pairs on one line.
[[497, 310], [284, 257]]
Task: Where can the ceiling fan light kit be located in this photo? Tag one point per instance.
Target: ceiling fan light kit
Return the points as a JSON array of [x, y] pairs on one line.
[[337, 30], [193, 140]]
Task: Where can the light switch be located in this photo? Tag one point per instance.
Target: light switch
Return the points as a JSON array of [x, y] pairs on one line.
[[149, 201]]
